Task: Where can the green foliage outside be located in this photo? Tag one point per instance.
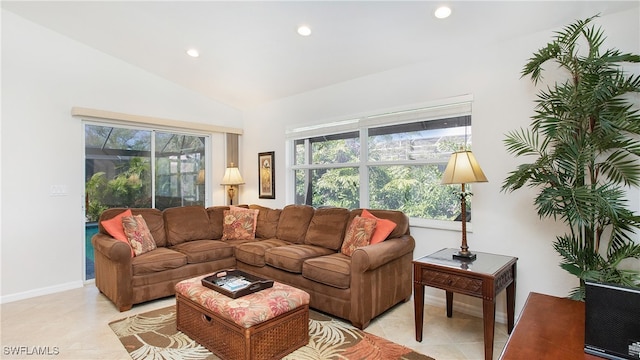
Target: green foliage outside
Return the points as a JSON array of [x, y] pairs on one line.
[[413, 189], [583, 150], [130, 188]]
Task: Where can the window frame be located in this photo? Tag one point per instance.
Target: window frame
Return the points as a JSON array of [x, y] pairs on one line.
[[448, 108]]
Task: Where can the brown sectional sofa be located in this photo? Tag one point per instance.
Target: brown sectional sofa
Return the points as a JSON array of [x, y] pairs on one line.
[[297, 245]]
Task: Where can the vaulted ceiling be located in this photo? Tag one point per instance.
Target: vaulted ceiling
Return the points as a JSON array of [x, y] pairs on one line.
[[250, 52]]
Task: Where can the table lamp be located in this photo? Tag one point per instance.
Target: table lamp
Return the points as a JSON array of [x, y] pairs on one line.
[[463, 169], [232, 178]]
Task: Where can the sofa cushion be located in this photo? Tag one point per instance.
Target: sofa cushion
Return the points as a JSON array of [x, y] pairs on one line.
[[267, 221], [398, 217], [216, 218], [199, 251], [358, 235], [290, 258], [384, 227], [239, 224], [333, 270], [293, 223], [153, 218], [186, 223], [115, 228], [138, 234], [252, 253], [327, 228], [234, 243], [156, 260]]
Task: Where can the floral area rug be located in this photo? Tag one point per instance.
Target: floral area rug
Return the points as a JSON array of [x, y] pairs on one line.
[[153, 335]]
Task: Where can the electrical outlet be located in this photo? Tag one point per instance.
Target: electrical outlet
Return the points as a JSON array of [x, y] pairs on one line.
[[58, 190]]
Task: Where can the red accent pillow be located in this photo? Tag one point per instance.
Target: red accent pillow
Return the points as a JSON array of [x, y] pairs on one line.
[[116, 230], [384, 227], [358, 234]]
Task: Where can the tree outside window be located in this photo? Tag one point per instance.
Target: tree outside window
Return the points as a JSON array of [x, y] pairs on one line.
[[402, 165]]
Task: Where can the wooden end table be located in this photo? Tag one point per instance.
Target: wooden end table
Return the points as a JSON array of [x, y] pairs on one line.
[[484, 278]]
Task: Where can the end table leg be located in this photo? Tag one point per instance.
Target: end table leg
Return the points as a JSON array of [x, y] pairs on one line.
[[418, 307], [449, 304], [511, 301], [511, 304], [489, 319]]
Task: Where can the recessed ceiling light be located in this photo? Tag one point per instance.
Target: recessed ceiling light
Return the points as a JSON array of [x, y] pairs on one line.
[[304, 30], [193, 53], [442, 12]]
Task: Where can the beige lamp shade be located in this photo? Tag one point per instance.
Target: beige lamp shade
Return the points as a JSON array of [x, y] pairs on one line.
[[463, 169], [232, 176]]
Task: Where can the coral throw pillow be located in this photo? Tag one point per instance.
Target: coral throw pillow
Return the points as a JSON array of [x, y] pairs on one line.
[[138, 234], [239, 224], [358, 235], [384, 227], [116, 230]]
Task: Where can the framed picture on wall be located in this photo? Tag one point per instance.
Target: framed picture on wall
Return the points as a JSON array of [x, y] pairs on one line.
[[266, 175]]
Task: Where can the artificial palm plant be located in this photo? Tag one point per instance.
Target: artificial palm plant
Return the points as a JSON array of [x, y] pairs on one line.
[[584, 143]]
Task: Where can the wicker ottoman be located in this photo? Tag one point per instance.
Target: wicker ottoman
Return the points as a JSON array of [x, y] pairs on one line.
[[264, 325]]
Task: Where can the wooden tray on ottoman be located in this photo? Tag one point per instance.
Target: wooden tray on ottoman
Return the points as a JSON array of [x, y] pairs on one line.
[[220, 281]]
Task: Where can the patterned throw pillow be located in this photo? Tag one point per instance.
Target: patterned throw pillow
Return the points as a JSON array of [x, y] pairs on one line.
[[358, 235], [138, 234], [116, 230], [384, 227], [239, 224]]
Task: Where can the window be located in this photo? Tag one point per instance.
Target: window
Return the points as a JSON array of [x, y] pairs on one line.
[[390, 161], [331, 177]]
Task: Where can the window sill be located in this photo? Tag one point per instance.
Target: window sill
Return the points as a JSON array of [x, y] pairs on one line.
[[439, 224]]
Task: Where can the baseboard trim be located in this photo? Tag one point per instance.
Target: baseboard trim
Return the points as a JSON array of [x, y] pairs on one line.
[[41, 291], [460, 306]]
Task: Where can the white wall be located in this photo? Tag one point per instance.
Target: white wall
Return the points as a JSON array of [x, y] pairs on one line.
[[43, 76], [502, 223]]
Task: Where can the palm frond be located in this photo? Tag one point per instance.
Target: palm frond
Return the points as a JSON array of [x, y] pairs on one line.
[[621, 168], [524, 142]]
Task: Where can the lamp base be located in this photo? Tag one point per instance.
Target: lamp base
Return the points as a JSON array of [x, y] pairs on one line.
[[468, 256]]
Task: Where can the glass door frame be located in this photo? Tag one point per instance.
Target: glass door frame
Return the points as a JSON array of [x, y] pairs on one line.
[[208, 178]]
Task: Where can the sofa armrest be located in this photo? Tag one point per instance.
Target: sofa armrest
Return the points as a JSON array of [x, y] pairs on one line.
[[111, 248], [373, 256], [113, 270], [380, 278]]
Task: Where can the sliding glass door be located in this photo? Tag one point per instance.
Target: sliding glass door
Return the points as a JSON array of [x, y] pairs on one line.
[[129, 167]]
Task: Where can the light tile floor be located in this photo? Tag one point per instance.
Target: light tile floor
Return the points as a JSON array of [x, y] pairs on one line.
[[74, 324]]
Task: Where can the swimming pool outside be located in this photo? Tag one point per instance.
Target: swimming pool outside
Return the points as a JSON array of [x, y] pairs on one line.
[[90, 230]]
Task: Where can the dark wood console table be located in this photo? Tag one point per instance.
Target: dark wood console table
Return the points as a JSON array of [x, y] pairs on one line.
[[484, 278], [549, 328]]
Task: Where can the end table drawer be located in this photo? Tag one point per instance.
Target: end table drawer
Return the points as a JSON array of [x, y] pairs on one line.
[[447, 281]]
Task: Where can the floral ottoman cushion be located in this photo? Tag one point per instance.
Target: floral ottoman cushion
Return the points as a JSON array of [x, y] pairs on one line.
[[248, 310]]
